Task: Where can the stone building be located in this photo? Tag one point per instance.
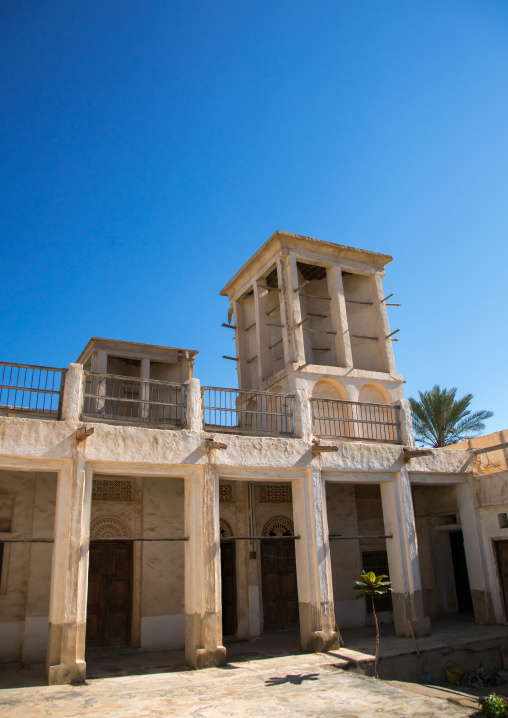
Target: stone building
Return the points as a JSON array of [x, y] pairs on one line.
[[139, 508]]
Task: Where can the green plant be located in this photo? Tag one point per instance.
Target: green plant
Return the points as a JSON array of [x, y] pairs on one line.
[[494, 706], [439, 419], [372, 585]]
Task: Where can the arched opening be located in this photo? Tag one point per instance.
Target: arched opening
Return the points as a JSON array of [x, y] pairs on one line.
[[278, 575], [377, 420], [331, 410], [109, 605], [373, 393]]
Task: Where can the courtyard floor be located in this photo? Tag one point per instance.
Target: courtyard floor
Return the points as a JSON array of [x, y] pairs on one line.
[[265, 678]]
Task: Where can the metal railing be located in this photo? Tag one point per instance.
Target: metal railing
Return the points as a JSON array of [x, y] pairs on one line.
[[129, 400], [333, 419], [31, 390], [247, 412]]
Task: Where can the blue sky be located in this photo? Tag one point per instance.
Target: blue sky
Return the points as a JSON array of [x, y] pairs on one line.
[[149, 148]]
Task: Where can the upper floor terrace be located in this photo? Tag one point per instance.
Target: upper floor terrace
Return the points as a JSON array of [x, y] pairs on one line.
[[139, 400]]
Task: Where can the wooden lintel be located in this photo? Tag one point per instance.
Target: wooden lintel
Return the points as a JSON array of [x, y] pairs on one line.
[[491, 448], [211, 444], [232, 358], [415, 453], [228, 326], [271, 289], [320, 448], [84, 432]]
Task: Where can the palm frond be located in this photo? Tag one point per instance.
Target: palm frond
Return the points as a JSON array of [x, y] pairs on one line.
[[459, 423]]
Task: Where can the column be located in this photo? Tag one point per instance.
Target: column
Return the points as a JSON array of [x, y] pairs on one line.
[[72, 393], [194, 410], [203, 614], [339, 317], [243, 560], [99, 365], [384, 326], [313, 567], [65, 662], [303, 413], [476, 561], [294, 313], [402, 549], [406, 423], [144, 394]]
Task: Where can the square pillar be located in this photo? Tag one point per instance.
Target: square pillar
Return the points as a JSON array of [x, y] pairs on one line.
[[145, 391], [203, 614], [475, 558], [313, 567], [402, 549], [338, 310], [65, 662]]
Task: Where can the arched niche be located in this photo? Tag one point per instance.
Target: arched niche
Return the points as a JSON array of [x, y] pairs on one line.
[[330, 416], [110, 527], [329, 389], [226, 529], [373, 393], [278, 526]]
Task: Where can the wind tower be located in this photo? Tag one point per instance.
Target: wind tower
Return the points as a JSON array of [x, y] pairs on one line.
[[309, 313]]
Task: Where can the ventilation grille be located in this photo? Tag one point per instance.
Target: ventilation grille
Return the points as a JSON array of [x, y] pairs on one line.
[[226, 493], [278, 526], [275, 494], [225, 528], [111, 490]]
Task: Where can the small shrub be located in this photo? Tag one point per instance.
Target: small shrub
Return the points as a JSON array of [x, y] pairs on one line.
[[494, 706]]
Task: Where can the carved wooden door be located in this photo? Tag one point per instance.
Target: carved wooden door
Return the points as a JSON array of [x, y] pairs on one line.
[[109, 607], [502, 561], [279, 587], [228, 585]]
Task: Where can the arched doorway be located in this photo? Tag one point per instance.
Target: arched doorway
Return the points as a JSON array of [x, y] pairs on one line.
[[228, 579], [109, 605], [278, 576]]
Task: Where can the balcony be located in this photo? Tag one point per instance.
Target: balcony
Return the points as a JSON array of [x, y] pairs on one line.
[[335, 419], [29, 390], [247, 412], [52, 393], [129, 400]]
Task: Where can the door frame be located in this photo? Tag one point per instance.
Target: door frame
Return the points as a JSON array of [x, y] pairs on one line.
[[130, 612], [503, 594]]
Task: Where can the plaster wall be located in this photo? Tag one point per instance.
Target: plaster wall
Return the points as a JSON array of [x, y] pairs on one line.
[[162, 565], [492, 532], [436, 506], [26, 572], [346, 557]]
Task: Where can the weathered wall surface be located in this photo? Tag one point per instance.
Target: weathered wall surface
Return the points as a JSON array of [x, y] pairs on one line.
[[346, 557], [436, 506], [26, 571], [162, 566]]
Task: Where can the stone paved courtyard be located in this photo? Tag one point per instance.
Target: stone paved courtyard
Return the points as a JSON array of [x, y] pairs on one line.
[[283, 686]]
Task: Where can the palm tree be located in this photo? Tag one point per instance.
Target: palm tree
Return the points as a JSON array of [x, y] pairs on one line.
[[373, 585], [440, 420]]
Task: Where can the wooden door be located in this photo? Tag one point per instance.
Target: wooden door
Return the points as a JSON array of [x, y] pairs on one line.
[[279, 588], [109, 607], [502, 562], [228, 584]]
